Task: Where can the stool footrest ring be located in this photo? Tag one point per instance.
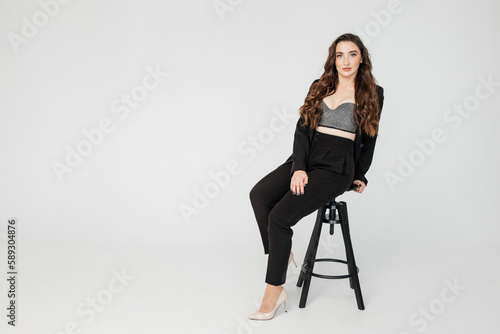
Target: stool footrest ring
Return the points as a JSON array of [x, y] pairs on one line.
[[329, 276]]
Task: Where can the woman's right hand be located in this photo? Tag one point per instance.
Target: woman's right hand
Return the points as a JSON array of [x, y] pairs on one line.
[[298, 183]]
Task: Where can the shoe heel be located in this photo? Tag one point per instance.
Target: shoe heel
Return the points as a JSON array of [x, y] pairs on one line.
[[292, 259], [285, 306]]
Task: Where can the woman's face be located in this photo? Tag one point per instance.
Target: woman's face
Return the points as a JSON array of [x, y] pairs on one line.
[[347, 59]]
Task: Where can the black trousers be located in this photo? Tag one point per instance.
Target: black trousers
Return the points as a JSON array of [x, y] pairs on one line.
[[330, 170]]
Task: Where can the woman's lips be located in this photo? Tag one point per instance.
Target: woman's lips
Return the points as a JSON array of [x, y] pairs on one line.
[[346, 69]]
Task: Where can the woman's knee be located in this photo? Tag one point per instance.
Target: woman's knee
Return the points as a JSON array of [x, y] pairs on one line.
[[255, 194]]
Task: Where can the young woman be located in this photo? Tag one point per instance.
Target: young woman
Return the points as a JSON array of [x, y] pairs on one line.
[[333, 148]]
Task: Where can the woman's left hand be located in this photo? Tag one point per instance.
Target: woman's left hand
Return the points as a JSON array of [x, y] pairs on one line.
[[361, 186]]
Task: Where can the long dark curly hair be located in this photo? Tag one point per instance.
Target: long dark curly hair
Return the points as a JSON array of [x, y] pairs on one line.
[[365, 88]]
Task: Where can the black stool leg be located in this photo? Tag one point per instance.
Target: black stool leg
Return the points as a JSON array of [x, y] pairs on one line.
[[308, 265], [351, 263], [347, 254]]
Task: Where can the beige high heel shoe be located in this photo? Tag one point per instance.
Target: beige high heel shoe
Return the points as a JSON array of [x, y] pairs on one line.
[[258, 315], [292, 259]]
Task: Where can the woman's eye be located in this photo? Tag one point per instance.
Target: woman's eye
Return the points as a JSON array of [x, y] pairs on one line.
[[339, 56]]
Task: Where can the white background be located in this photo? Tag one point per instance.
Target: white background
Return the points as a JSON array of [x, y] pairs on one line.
[[230, 73]]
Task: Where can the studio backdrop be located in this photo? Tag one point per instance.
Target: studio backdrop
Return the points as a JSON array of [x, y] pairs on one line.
[[131, 133]]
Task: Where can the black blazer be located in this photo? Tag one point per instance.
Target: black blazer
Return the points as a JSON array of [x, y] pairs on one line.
[[364, 145]]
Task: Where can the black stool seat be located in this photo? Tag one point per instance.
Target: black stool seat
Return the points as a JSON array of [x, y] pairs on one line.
[[337, 214]]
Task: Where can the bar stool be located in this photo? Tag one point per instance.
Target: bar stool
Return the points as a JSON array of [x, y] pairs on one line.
[[337, 214]]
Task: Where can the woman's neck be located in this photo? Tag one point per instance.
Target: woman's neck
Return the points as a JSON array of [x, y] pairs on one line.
[[346, 83]]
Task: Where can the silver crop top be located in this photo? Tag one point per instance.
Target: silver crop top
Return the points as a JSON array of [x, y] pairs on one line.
[[341, 118]]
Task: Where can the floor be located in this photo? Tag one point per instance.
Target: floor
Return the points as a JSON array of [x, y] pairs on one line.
[[133, 287]]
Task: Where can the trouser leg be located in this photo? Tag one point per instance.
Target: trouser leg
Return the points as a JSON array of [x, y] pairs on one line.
[[323, 185], [264, 196]]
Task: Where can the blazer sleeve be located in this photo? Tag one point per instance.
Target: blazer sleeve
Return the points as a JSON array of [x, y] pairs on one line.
[[368, 146], [301, 143]]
